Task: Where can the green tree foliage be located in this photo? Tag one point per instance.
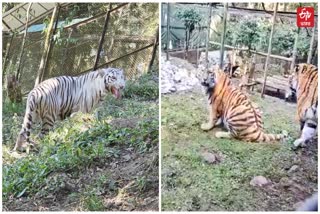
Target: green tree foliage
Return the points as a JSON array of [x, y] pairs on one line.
[[191, 18], [254, 32]]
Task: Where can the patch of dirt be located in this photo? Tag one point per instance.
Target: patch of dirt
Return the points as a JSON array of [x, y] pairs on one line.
[[298, 184], [131, 184]]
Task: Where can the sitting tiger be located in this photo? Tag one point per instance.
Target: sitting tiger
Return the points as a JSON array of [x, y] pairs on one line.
[[234, 109], [59, 97], [303, 85]]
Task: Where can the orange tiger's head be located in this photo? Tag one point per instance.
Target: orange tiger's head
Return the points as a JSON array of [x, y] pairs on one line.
[[216, 80]]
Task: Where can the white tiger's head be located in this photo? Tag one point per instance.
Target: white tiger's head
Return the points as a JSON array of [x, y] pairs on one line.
[[114, 80]]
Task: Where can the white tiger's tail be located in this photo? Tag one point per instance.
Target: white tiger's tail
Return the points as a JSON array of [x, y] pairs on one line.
[[23, 139]]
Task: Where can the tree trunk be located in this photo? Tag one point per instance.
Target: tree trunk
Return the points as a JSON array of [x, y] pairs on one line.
[[13, 89], [223, 35], [5, 59], [23, 43], [269, 49], [47, 46]]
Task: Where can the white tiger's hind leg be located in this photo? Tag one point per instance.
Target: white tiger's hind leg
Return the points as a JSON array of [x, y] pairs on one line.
[[222, 134], [47, 124]]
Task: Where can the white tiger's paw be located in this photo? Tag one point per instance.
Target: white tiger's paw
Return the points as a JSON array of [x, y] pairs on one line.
[[285, 133], [299, 143], [207, 126], [223, 134]]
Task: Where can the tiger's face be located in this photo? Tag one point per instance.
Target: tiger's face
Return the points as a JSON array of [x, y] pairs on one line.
[[209, 81], [114, 81], [291, 91]]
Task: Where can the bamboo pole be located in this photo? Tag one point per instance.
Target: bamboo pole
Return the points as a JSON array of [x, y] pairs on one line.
[[23, 42], [223, 35], [208, 36], [51, 44], [294, 54], [154, 50], [47, 46], [269, 49], [168, 29], [105, 27], [311, 44]]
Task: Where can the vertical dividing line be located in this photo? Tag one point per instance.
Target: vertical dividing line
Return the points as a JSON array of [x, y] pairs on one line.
[[269, 50], [159, 104]]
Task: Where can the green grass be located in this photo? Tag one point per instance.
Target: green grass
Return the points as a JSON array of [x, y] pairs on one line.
[[76, 144], [188, 183]]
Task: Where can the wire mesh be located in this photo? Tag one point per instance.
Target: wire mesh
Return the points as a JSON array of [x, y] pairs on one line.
[[177, 31], [130, 28]]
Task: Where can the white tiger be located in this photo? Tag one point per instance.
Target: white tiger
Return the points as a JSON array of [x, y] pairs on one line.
[[59, 97]]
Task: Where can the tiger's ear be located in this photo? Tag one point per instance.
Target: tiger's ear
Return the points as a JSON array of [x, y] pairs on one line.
[[100, 73]]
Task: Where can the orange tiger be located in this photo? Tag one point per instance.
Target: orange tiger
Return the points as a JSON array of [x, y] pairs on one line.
[[238, 114], [303, 84]]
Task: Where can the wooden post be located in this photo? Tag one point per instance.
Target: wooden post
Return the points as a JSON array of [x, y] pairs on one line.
[[223, 35], [47, 46], [51, 45], [23, 43], [105, 27], [208, 36], [311, 44], [294, 54], [269, 49], [154, 50], [168, 29]]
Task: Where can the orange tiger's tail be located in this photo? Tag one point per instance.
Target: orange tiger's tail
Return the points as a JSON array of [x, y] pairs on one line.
[[272, 138]]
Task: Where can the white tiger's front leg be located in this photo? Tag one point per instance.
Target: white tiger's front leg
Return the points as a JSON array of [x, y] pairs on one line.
[[308, 132]]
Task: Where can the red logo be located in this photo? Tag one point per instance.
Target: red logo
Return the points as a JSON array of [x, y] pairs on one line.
[[305, 17]]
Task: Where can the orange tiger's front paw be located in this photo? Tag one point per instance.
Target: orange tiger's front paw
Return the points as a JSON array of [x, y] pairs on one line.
[[207, 126]]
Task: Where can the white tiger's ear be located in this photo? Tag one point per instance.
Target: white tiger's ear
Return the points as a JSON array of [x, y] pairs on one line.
[[101, 72]]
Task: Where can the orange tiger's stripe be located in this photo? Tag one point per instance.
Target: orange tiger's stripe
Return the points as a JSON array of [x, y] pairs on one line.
[[307, 91], [239, 115]]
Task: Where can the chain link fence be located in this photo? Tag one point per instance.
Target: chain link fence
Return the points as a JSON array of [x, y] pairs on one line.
[[177, 30], [128, 42]]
